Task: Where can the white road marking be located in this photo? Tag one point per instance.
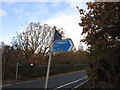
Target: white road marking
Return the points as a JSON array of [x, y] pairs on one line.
[[70, 83], [79, 85], [26, 82], [19, 83], [6, 85]]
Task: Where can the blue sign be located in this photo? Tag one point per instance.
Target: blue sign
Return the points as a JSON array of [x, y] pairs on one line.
[[62, 45]]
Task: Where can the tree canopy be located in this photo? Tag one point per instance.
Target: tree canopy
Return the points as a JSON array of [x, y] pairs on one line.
[[35, 38], [101, 28]]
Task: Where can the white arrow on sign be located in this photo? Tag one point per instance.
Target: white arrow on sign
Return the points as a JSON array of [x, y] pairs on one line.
[[71, 45]]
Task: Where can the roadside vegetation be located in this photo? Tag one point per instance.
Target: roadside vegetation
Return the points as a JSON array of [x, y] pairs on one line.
[[101, 28]]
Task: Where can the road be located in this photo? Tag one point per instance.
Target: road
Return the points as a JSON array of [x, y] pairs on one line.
[[71, 81]]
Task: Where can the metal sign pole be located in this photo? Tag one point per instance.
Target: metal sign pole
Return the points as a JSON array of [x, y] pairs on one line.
[[48, 70], [17, 71], [49, 62]]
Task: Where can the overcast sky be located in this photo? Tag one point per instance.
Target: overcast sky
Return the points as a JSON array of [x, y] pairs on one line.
[[61, 13]]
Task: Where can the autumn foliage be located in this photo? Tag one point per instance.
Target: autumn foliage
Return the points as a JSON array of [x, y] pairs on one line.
[[101, 28]]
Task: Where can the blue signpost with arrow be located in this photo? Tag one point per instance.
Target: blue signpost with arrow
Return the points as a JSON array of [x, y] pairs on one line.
[[57, 45], [62, 45]]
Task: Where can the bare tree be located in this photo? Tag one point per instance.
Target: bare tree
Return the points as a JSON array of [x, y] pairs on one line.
[[35, 38]]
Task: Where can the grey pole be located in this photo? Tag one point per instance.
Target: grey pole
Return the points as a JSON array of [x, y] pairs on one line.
[[48, 70], [17, 71], [4, 67], [49, 62]]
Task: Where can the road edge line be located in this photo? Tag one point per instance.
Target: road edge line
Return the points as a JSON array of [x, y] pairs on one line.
[[70, 83], [80, 85]]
